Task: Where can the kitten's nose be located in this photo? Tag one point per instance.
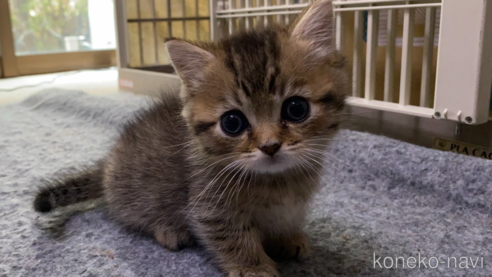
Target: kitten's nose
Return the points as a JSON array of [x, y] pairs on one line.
[[270, 149]]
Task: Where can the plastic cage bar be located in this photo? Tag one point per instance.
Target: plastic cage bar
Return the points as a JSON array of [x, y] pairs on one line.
[[454, 84]]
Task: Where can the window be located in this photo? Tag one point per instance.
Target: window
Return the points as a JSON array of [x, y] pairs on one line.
[[56, 35]]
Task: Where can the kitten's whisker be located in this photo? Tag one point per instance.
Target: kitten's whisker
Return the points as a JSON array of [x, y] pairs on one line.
[[235, 186], [328, 140], [208, 186], [218, 175], [324, 139], [232, 178], [252, 176], [182, 148], [179, 144], [326, 151], [298, 164], [249, 176], [307, 162], [329, 146], [295, 167], [323, 157], [303, 167], [314, 144], [326, 154], [214, 163], [325, 145], [314, 158], [318, 154], [240, 186], [236, 167]]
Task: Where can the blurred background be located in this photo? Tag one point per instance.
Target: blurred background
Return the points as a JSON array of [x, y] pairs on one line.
[[41, 36], [38, 37], [47, 26], [45, 36]]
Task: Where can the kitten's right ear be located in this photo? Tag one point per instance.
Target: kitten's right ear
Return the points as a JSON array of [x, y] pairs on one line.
[[313, 28], [188, 60]]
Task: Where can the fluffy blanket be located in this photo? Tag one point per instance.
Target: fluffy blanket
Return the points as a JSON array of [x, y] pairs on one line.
[[387, 208]]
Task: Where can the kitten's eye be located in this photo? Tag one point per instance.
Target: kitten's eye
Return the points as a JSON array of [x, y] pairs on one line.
[[295, 109], [233, 123]]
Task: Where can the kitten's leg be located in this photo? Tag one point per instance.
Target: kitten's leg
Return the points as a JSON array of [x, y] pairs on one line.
[[173, 238], [294, 246], [237, 247]]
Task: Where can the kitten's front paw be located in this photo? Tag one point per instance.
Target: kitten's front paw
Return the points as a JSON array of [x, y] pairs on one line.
[[173, 240], [258, 271], [296, 246]]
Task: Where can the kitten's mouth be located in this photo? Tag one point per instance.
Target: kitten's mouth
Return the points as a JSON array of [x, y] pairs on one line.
[[272, 164], [272, 159]]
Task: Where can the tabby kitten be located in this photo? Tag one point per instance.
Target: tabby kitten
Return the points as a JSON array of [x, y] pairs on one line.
[[233, 162]]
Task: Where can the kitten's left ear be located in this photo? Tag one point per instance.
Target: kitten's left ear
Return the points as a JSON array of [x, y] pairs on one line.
[[314, 28], [188, 60]]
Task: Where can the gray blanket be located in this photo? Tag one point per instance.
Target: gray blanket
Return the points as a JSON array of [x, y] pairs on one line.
[[387, 208]]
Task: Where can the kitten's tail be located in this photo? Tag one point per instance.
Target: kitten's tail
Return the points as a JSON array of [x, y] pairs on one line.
[[84, 186]]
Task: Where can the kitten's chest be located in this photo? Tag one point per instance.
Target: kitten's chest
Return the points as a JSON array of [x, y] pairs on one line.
[[282, 207], [279, 218]]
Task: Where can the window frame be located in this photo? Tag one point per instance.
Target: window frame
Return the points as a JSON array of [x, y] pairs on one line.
[[13, 65]]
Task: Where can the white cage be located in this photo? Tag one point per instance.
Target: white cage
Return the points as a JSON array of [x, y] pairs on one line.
[[412, 63]]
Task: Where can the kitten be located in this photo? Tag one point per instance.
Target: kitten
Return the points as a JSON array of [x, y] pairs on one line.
[[234, 160]]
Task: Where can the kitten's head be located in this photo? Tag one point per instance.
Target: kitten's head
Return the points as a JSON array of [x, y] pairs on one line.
[[266, 99]]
